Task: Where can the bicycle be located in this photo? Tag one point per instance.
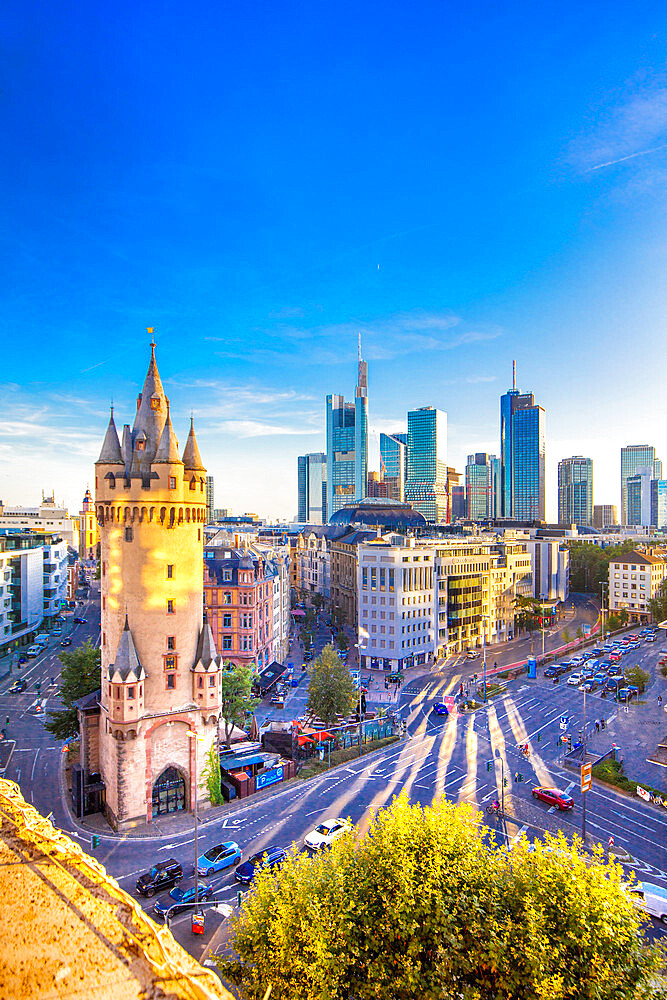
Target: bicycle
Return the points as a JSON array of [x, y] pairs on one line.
[[494, 811]]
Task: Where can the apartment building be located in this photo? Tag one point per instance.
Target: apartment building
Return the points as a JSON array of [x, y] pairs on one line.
[[34, 577], [313, 560], [344, 564], [634, 579]]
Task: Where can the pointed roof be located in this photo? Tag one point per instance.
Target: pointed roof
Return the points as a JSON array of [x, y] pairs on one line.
[[111, 453], [206, 652], [150, 419], [126, 665], [191, 457], [167, 449]]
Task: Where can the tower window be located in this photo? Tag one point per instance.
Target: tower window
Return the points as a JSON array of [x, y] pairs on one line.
[[171, 642], [200, 682], [172, 482], [170, 571], [130, 693], [211, 681], [170, 607], [170, 662], [128, 534], [171, 682]]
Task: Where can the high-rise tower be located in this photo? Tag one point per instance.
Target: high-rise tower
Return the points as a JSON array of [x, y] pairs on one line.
[[426, 487], [522, 455], [88, 530], [347, 444], [160, 669]]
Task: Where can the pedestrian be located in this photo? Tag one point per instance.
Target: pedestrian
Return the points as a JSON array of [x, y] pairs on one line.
[[7, 720], [461, 689], [597, 725], [659, 701]]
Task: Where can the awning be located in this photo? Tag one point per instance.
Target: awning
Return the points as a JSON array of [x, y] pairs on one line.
[[270, 675], [299, 614]]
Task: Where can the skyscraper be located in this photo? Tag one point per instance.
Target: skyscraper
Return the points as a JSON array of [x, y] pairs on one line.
[[479, 487], [210, 498], [604, 515], [575, 490], [496, 486], [312, 472], [633, 458], [638, 496], [522, 455], [426, 487], [659, 503], [394, 462], [347, 444]]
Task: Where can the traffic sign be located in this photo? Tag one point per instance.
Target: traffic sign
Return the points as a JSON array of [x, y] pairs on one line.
[[564, 719], [586, 777]]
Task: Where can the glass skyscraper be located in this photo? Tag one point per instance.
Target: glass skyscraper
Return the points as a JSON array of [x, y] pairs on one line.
[[312, 477], [510, 403], [426, 486], [634, 459], [479, 487], [528, 454], [347, 445], [394, 462], [575, 490], [659, 503]]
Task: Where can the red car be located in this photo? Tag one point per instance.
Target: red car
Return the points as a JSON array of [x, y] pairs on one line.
[[554, 797]]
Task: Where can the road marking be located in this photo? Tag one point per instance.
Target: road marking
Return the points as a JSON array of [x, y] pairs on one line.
[[569, 788], [519, 835], [32, 774]]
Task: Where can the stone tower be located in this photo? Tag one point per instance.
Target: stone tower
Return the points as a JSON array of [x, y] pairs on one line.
[[160, 669], [88, 530]]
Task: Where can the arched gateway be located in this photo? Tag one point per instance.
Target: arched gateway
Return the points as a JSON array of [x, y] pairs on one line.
[[169, 792]]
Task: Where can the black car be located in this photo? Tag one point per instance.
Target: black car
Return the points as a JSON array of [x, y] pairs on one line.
[[17, 687], [270, 857], [555, 670], [78, 620], [65, 642], [182, 897], [162, 876], [23, 658]]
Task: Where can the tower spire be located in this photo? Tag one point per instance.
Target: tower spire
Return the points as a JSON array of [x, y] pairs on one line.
[[514, 375]]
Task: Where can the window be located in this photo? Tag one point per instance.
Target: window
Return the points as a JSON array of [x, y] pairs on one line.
[[171, 642], [226, 642], [128, 534], [170, 607], [130, 693], [226, 621], [172, 482], [170, 571], [200, 682], [171, 682], [227, 598], [170, 662], [227, 575], [211, 681]]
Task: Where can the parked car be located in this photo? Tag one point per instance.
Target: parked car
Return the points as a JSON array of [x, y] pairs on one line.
[[218, 858], [574, 680], [576, 660], [440, 708], [554, 797], [164, 875], [23, 659], [326, 833], [65, 642], [17, 687], [606, 662], [650, 898], [634, 690], [270, 857], [182, 897], [33, 651]]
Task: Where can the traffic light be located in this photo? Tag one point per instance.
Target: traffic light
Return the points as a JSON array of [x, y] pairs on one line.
[[519, 776], [488, 765], [539, 737], [95, 841], [516, 775], [504, 782], [569, 743], [38, 686]]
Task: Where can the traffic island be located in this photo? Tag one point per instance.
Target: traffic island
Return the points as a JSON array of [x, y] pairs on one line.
[[315, 767]]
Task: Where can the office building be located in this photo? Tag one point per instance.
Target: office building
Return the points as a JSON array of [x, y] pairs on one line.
[[496, 486], [210, 499], [635, 459], [49, 517], [394, 463], [312, 484], [522, 456], [575, 490], [458, 503], [347, 444], [160, 670], [479, 487], [34, 576], [426, 486], [659, 503], [634, 579], [638, 497], [604, 516]]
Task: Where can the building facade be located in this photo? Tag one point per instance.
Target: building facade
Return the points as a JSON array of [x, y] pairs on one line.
[[49, 517], [522, 457], [637, 459], [89, 532], [312, 488], [210, 499], [344, 561], [347, 444], [550, 565], [395, 599], [457, 503], [604, 516], [394, 463], [634, 579], [160, 670], [479, 487], [426, 486], [659, 503], [313, 554], [34, 578], [575, 490]]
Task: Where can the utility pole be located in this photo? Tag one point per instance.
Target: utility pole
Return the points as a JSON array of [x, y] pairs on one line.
[[197, 739], [502, 780], [583, 761], [484, 654]]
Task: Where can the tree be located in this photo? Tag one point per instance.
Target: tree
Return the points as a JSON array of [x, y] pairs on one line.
[[341, 640], [425, 906], [565, 635], [318, 601], [589, 565], [211, 775], [80, 675], [331, 692], [579, 632], [236, 700], [658, 604], [640, 678]]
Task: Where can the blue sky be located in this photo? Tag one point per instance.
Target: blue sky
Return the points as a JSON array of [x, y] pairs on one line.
[[261, 182]]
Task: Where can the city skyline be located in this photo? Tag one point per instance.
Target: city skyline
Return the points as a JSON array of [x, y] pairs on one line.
[[472, 231]]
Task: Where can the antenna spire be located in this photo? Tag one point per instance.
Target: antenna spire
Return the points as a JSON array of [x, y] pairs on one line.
[[514, 375], [360, 346]]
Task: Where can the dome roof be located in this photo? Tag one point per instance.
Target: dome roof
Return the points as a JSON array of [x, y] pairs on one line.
[[379, 511]]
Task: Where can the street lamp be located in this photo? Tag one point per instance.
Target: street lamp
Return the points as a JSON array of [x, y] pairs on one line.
[[603, 585], [197, 739], [485, 618], [502, 778], [362, 636]]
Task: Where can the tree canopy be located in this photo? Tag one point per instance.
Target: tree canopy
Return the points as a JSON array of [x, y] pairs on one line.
[[658, 604], [331, 691], [425, 906], [79, 676], [236, 700], [589, 565]]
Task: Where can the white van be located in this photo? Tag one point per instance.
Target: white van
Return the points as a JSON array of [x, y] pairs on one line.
[[650, 898], [42, 640]]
